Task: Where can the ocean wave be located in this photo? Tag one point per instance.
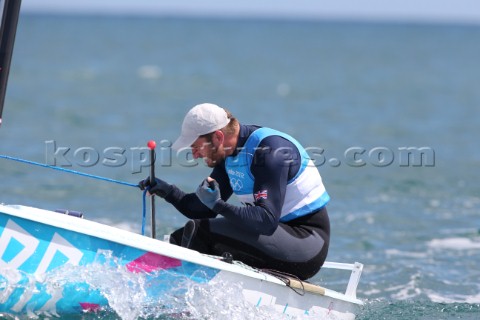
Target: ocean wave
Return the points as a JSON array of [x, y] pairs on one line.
[[455, 243]]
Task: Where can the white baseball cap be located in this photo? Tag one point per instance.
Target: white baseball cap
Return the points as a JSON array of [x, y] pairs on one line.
[[202, 119]]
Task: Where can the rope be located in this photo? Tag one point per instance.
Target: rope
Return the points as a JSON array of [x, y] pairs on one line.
[[144, 211], [68, 170], [89, 176], [287, 279]]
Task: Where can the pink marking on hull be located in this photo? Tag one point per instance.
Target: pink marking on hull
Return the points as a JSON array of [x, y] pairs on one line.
[[151, 262], [89, 307]]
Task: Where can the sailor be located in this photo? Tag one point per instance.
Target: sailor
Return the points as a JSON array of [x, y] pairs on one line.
[[283, 223]]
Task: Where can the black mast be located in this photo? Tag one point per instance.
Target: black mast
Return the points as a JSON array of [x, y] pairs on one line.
[[11, 10]]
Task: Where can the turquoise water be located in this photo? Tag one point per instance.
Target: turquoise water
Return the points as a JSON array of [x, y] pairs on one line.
[[356, 94]]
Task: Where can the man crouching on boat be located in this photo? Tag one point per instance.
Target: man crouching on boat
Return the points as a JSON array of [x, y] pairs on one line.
[[284, 224]]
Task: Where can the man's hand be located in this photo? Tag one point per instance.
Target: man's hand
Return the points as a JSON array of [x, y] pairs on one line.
[[209, 192], [159, 187]]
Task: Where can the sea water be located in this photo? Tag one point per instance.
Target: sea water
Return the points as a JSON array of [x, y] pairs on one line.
[[87, 92]]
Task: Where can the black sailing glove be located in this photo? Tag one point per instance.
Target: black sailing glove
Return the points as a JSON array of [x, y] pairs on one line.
[[159, 187]]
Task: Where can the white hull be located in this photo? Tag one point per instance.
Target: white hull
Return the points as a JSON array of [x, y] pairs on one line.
[[44, 233]]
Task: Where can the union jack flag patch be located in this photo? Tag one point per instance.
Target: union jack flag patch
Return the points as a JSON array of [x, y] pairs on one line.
[[262, 194]]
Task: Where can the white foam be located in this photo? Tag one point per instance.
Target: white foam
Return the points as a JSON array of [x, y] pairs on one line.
[[408, 290], [372, 292], [149, 72], [408, 254], [435, 297], [455, 243]]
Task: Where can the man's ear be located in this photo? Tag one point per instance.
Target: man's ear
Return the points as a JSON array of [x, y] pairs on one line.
[[219, 136]]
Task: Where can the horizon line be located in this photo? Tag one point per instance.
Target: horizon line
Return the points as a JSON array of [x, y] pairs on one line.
[[225, 15]]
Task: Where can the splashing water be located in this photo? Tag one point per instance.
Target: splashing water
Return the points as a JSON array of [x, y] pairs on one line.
[[126, 294], [218, 300]]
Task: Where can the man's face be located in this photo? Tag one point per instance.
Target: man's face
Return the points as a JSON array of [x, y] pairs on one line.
[[210, 149]]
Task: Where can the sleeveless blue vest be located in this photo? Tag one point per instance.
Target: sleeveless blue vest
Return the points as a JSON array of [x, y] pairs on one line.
[[305, 192]]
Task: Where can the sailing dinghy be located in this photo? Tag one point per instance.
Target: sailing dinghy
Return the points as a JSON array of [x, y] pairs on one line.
[[35, 244], [51, 263]]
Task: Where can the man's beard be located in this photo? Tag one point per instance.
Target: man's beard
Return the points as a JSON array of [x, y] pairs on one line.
[[214, 158]]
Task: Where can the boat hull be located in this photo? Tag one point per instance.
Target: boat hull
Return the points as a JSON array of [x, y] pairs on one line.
[[57, 264]]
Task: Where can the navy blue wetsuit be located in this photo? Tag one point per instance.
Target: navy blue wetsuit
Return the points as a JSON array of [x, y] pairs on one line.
[[274, 230]]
